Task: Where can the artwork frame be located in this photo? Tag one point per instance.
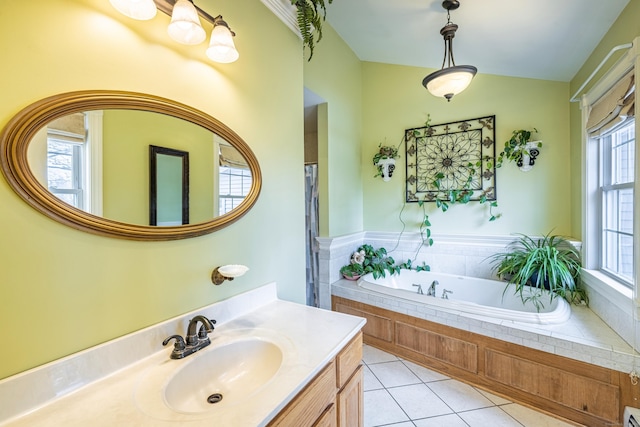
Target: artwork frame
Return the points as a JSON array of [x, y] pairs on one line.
[[452, 161]]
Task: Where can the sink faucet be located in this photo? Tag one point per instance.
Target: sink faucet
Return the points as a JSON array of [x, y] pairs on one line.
[[195, 339], [432, 289]]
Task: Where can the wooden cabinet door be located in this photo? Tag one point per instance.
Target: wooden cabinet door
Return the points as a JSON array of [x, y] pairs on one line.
[[309, 405], [328, 418], [350, 402]]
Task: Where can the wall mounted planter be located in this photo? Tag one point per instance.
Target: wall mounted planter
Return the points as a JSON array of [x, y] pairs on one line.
[[386, 167], [529, 155]]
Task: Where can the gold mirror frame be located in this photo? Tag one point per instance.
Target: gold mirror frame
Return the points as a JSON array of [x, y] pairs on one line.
[[16, 136]]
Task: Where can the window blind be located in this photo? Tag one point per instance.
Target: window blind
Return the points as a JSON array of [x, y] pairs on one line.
[[613, 107]]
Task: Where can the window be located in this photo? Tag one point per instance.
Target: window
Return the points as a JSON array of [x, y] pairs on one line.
[[608, 230], [617, 157], [235, 184], [66, 170]]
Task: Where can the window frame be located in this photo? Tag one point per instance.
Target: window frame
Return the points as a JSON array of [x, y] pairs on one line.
[[593, 278], [222, 196], [605, 143], [78, 144]]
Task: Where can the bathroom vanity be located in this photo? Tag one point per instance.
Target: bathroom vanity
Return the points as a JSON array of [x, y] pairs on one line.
[[333, 397], [270, 363]]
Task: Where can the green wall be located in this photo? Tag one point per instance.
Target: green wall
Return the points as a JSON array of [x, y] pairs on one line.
[[623, 31], [63, 290], [531, 202], [335, 74], [127, 136]]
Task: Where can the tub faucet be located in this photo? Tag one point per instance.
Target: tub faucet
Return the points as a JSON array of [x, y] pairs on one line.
[[445, 293], [431, 292], [419, 289], [195, 339]]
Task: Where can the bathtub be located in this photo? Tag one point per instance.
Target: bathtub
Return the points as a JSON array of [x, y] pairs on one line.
[[468, 295]]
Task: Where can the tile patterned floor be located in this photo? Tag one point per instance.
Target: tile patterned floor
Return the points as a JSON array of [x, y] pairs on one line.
[[399, 393]]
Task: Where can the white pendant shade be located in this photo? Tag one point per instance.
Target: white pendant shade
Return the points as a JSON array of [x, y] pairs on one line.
[[449, 81], [141, 10], [222, 49], [185, 24], [453, 79]]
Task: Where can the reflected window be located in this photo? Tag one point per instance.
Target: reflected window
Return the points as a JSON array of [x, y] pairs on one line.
[[234, 177], [66, 167], [235, 184]]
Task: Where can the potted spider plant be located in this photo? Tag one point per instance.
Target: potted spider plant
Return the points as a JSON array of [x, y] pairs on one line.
[[550, 264]]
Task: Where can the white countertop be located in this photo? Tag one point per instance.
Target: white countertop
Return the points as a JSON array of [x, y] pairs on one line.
[[309, 337]]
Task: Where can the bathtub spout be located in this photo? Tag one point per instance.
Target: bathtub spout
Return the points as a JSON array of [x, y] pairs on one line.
[[431, 292], [419, 289]]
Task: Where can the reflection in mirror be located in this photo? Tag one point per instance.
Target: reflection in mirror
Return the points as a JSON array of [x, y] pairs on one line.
[[97, 161], [168, 186], [88, 165], [66, 159], [235, 177]]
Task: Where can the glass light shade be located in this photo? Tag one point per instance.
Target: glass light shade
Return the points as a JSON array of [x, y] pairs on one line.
[[142, 10], [222, 49], [185, 24], [449, 81]]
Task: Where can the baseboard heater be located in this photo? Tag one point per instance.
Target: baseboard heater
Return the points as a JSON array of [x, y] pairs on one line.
[[631, 417]]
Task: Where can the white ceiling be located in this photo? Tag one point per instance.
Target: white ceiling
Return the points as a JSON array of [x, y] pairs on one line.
[[542, 39]]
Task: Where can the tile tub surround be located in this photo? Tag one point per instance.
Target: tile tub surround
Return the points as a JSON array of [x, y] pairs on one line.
[[584, 337], [463, 255], [97, 386]]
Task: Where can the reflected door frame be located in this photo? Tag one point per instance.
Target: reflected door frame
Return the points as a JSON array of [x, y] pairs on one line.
[[154, 151]]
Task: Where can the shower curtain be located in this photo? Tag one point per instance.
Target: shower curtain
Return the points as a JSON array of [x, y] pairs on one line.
[[311, 223]]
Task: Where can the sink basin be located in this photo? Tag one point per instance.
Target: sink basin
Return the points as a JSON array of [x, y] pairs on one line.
[[222, 376], [214, 379]]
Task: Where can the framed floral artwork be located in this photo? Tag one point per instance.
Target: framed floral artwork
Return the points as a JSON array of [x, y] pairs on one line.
[[451, 161]]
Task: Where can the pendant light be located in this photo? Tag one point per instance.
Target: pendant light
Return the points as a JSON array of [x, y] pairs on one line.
[[185, 24], [454, 78], [142, 10]]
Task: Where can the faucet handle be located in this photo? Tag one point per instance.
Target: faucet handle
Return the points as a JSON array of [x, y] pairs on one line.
[[178, 345], [202, 333]]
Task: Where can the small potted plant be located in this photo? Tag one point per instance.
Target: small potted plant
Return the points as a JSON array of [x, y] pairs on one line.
[[384, 161], [368, 260], [547, 264], [520, 149]]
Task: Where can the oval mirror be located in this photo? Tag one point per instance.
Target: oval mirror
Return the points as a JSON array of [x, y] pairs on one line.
[[129, 165]]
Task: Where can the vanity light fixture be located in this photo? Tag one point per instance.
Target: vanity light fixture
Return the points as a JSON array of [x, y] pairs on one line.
[[185, 26], [227, 272], [454, 78]]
